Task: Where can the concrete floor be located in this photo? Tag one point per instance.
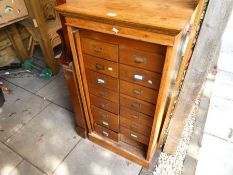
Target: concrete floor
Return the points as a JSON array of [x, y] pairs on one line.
[[216, 153], [37, 133]]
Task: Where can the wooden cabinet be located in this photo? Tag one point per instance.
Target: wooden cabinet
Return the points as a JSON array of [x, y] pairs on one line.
[[125, 56]]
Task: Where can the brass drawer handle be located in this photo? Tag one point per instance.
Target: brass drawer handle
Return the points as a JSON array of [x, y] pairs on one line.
[[136, 105], [138, 77], [135, 116], [101, 81], [98, 49], [138, 59], [134, 136], [104, 133], [105, 123], [105, 115], [137, 92], [104, 94], [99, 66], [104, 106]]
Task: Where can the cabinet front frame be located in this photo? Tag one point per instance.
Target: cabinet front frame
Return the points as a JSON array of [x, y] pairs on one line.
[[170, 59]]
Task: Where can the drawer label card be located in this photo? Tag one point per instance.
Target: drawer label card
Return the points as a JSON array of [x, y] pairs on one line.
[[138, 77]]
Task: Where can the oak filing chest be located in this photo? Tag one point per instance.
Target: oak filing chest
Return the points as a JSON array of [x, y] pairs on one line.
[[125, 55]]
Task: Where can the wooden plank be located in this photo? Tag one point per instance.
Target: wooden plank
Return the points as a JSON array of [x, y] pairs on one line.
[[214, 24], [166, 80], [118, 150], [17, 42], [158, 16], [79, 77], [175, 91], [35, 12]]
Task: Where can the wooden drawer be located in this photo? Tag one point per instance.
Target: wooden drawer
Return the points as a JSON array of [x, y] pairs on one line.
[[146, 60], [104, 104], [138, 91], [100, 49], [101, 65], [136, 116], [133, 135], [102, 80], [132, 142], [137, 105], [139, 76], [105, 118], [106, 132], [135, 126], [104, 93]]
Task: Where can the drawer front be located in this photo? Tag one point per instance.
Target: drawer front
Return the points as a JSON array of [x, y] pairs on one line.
[[102, 80], [139, 76], [137, 105], [104, 132], [134, 126], [105, 118], [101, 65], [136, 58], [136, 116], [132, 142], [104, 104], [104, 93], [133, 135], [100, 49], [138, 91]]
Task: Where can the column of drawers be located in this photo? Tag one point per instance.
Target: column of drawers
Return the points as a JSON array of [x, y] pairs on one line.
[[102, 73], [123, 85], [140, 76]]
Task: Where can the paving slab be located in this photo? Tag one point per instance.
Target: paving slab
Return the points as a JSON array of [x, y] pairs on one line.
[[216, 157], [227, 42], [28, 81], [47, 139], [8, 160], [223, 86], [225, 61], [19, 108], [88, 158], [57, 92], [219, 119], [25, 168]]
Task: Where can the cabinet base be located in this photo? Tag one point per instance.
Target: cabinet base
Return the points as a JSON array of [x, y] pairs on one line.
[[118, 148]]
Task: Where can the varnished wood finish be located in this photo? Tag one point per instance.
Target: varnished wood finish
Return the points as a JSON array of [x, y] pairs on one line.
[[100, 49], [106, 132], [81, 126], [132, 142], [105, 104], [102, 80], [151, 61], [131, 153], [101, 66], [142, 39], [138, 117], [195, 21], [137, 105], [105, 119], [137, 91], [104, 93], [135, 126], [159, 16], [148, 79], [134, 135], [122, 31]]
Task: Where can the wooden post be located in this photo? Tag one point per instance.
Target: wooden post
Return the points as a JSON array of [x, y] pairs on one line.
[[214, 24], [36, 13], [16, 40]]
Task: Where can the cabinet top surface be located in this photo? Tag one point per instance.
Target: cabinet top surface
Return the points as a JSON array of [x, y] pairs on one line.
[[167, 15]]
